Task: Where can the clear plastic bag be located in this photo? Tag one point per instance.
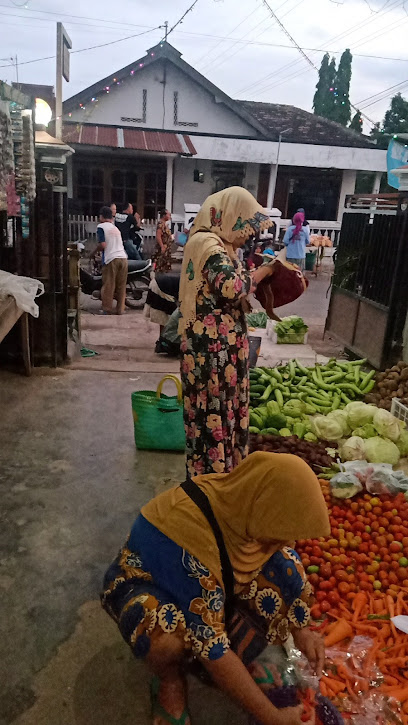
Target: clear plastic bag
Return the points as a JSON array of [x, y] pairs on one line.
[[23, 289]]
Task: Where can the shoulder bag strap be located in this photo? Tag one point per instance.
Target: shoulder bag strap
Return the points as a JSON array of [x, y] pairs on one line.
[[201, 500]]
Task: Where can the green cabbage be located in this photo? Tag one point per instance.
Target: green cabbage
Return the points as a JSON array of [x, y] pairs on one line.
[[366, 431], [294, 408], [341, 417], [381, 450], [353, 449], [359, 414], [327, 428], [386, 425], [402, 443]]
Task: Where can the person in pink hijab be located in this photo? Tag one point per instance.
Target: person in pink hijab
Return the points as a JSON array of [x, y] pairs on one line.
[[296, 238]]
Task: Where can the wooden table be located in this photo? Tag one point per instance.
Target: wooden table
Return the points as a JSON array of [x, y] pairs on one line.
[[10, 314]]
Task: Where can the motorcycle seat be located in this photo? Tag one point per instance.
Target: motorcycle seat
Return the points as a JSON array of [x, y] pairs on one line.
[[139, 265]]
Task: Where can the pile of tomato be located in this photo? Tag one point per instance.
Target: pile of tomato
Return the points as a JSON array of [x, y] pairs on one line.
[[367, 550]]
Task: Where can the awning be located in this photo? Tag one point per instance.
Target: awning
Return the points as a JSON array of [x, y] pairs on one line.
[[128, 138]]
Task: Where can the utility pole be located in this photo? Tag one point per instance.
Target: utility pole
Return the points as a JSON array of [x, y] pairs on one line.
[[63, 47], [166, 29]]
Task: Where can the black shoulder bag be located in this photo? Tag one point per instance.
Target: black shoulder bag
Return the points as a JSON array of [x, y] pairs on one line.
[[201, 500], [246, 635]]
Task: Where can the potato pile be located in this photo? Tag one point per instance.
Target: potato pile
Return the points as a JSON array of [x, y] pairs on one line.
[[392, 383]]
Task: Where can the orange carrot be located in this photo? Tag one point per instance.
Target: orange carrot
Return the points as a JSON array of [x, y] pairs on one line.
[[391, 681], [323, 688], [379, 606], [391, 609], [341, 631], [334, 685], [395, 662], [400, 693], [359, 603]]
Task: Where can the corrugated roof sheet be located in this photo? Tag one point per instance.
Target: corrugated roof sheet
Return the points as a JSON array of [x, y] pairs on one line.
[[136, 139]]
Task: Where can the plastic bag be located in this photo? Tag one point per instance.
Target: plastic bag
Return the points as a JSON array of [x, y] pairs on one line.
[[377, 478], [23, 289], [345, 485]]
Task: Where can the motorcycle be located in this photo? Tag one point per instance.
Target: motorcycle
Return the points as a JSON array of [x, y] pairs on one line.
[[137, 286]]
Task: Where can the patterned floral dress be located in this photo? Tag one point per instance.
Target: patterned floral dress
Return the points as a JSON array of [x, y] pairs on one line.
[[214, 370], [156, 586], [163, 259]]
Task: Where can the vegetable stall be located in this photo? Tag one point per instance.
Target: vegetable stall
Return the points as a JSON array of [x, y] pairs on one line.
[[335, 417]]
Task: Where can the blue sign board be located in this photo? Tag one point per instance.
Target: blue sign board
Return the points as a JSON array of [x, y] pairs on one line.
[[397, 156]]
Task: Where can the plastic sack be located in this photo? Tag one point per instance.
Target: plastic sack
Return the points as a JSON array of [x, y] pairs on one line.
[[23, 289], [345, 485], [377, 478]]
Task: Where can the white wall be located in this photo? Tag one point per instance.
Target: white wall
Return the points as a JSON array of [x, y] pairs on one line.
[[291, 154], [195, 104], [348, 186], [188, 191]]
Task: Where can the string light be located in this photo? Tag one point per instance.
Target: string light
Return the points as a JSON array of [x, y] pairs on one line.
[[107, 89]]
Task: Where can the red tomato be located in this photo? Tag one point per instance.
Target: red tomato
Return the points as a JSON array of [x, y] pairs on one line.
[[343, 588], [341, 575], [316, 612], [333, 597], [325, 606], [395, 547], [325, 571], [325, 586]]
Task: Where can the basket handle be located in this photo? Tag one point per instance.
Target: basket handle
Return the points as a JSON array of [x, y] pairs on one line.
[[177, 383]]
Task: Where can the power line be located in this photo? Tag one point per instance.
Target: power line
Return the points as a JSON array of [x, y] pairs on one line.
[[288, 35], [306, 57], [380, 93], [91, 47], [78, 17], [213, 61], [297, 73], [181, 19], [205, 55], [340, 36], [227, 53]]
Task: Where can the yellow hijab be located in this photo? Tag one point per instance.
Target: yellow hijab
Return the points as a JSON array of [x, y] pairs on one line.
[[267, 501], [224, 223]]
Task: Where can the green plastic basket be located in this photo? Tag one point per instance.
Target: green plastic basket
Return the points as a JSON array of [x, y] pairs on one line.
[[158, 418], [291, 338]]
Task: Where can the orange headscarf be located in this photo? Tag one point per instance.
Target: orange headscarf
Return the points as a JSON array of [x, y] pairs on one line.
[[270, 499]]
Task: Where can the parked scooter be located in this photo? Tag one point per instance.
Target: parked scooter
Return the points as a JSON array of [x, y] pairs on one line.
[[137, 286]]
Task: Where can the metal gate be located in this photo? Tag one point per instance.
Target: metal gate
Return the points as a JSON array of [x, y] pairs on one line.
[[369, 299]]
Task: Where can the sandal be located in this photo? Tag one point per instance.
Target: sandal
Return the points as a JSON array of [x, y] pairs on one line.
[[158, 709]]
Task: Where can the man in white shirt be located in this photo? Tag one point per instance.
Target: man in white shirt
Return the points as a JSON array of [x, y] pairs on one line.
[[115, 265]]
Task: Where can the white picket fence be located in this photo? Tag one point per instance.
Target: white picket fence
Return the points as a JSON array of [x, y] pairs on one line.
[[326, 229], [82, 228]]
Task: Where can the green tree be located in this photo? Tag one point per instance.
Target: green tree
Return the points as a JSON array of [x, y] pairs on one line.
[[357, 122], [396, 118], [323, 97], [395, 122], [332, 96], [342, 89]]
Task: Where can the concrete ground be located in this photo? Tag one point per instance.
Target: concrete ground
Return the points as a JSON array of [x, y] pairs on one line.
[[71, 483]]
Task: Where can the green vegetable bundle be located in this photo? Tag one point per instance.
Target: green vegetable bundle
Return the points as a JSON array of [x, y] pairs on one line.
[[284, 397], [292, 324], [256, 319]]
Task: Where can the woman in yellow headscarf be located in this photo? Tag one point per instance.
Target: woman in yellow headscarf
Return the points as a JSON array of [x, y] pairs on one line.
[[166, 588], [214, 287]]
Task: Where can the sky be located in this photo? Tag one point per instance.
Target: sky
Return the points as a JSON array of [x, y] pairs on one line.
[[237, 44]]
